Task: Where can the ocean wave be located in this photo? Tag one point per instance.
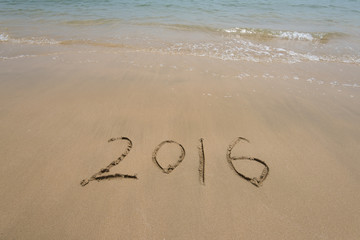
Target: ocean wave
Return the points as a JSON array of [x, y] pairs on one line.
[[235, 49], [50, 41], [264, 34], [180, 27], [16, 57], [93, 22], [242, 50], [4, 37], [252, 33], [31, 40]]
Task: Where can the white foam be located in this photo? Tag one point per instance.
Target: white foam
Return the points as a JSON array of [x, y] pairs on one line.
[[310, 80], [350, 85], [295, 36], [230, 30], [16, 57], [289, 35], [242, 75], [239, 30], [32, 40], [4, 37]]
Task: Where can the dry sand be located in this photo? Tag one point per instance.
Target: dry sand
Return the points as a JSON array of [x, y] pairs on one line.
[[58, 113]]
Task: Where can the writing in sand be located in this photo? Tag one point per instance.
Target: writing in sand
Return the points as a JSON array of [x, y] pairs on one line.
[[256, 181]]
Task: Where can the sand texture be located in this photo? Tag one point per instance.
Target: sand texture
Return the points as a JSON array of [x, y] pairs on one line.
[[105, 119]]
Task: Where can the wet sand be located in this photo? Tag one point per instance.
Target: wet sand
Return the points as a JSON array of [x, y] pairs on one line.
[[57, 114]]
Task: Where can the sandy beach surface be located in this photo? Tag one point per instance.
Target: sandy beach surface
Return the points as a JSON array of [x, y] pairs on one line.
[[58, 113]]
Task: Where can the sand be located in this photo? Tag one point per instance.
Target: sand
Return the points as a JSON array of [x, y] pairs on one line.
[[58, 113]]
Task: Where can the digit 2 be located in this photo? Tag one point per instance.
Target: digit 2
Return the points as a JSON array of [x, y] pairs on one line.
[[99, 175]]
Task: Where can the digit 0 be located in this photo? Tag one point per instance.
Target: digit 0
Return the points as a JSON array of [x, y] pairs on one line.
[[170, 167]]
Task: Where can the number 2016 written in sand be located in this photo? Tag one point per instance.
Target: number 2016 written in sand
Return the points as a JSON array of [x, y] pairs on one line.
[[103, 173]]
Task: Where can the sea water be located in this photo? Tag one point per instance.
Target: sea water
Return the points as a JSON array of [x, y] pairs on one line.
[[257, 31]]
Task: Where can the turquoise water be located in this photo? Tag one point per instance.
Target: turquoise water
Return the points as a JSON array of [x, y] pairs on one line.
[[258, 30]]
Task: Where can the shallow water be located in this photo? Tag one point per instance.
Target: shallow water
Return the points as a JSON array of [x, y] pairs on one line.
[[256, 31]]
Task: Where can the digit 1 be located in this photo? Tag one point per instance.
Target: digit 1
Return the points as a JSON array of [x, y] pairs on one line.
[[201, 162]]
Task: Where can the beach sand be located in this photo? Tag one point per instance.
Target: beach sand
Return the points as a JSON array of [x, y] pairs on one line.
[[58, 113]]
